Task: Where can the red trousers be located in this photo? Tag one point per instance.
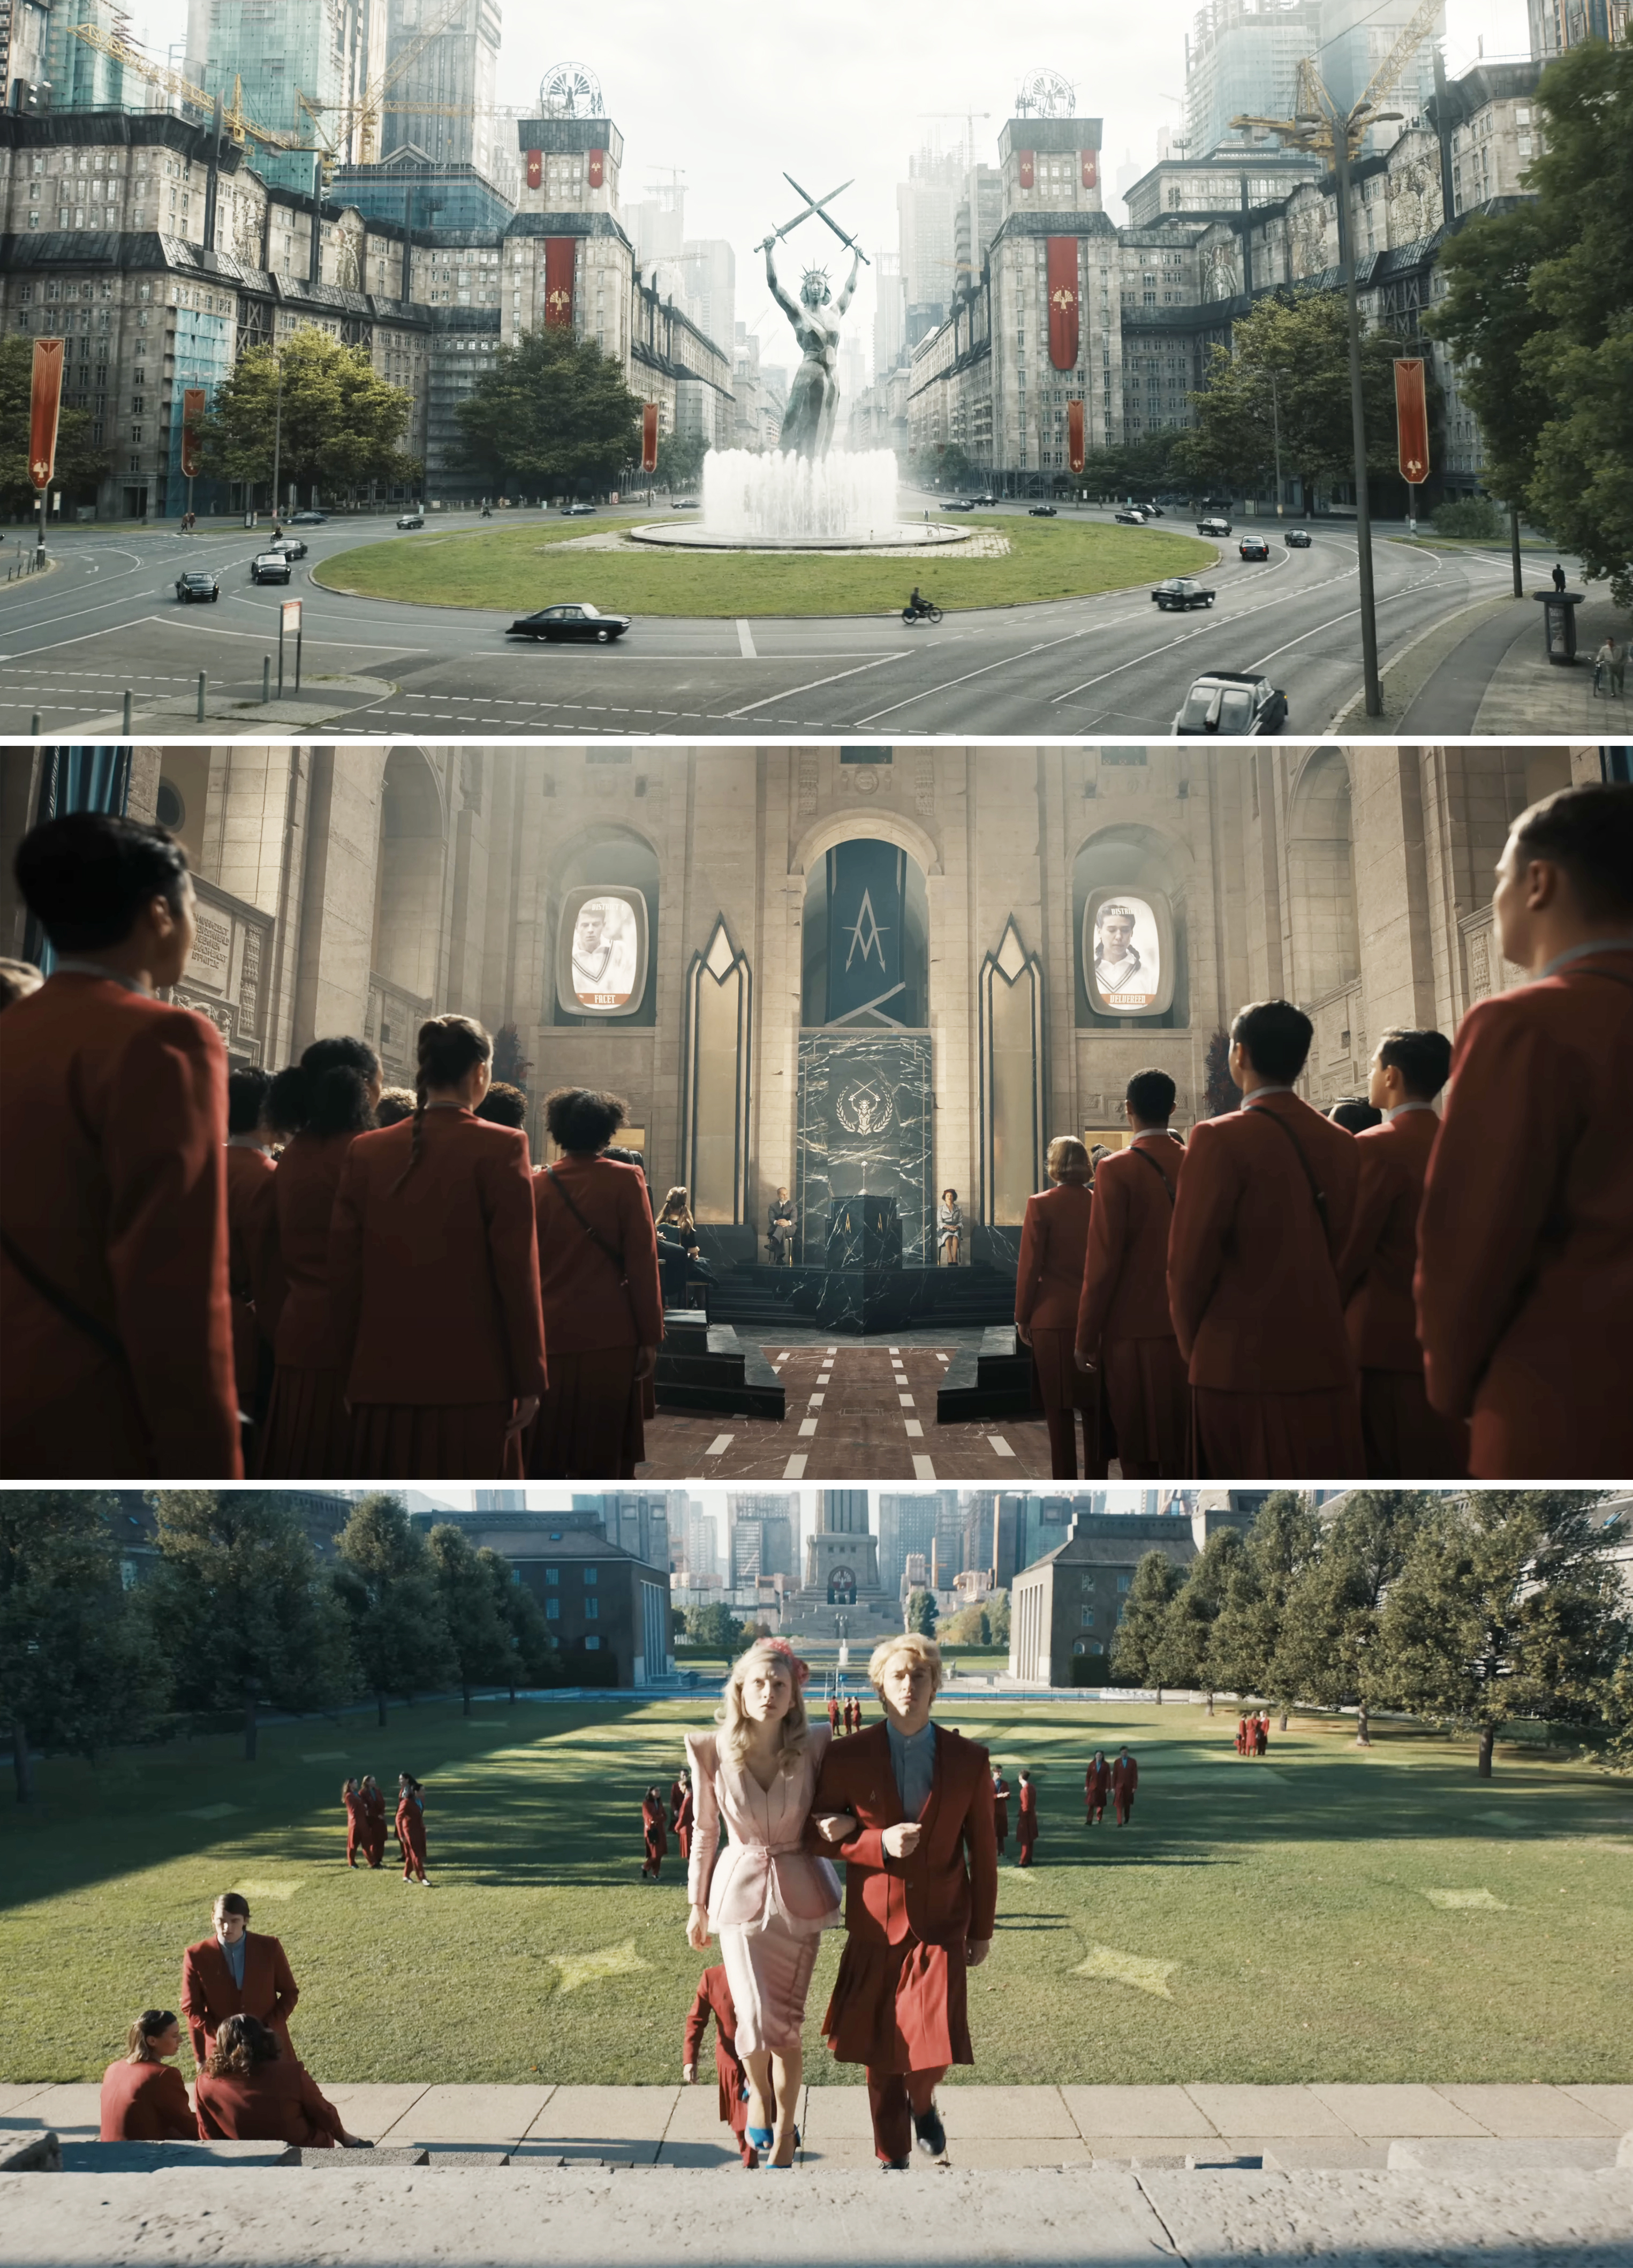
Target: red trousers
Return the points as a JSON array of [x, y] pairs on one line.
[[893, 2096], [1122, 1803], [1064, 1390], [1026, 1843], [354, 1833]]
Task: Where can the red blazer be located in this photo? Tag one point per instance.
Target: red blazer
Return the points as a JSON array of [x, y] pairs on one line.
[[1028, 1810], [435, 1283], [1097, 1780], [1525, 1274], [410, 1826], [946, 1892], [1375, 1267], [1252, 1284], [1125, 1773], [114, 1128], [275, 2102], [1125, 1270], [1000, 1812], [584, 1309], [1053, 1235], [714, 1998], [208, 1995], [685, 1814], [146, 2102], [252, 1242], [653, 1822], [308, 1175]]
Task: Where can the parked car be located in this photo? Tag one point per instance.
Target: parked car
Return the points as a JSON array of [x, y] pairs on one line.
[[1253, 547], [1213, 527], [411, 519], [292, 547], [577, 511], [580, 620], [307, 519], [1181, 591], [1043, 512], [1130, 516], [1297, 538], [193, 583], [1232, 703], [271, 567]]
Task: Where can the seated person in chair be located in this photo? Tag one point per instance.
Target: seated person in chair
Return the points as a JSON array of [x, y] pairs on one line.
[[780, 1230]]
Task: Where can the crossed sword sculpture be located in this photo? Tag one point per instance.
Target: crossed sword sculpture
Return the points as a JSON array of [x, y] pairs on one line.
[[818, 205]]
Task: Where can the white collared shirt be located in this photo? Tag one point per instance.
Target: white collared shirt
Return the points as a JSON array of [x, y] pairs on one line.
[[1390, 1116], [1260, 1093], [1581, 952], [69, 966]]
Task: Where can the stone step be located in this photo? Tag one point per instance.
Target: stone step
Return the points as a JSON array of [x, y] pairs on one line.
[[991, 1380]]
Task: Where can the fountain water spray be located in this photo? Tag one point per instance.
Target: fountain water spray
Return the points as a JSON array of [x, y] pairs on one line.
[[781, 499]]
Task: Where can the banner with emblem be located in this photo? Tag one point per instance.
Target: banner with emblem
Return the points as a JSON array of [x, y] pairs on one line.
[[648, 437], [1062, 290], [867, 907], [598, 168], [561, 253], [44, 403], [1091, 169], [1074, 436], [1023, 159], [535, 169], [193, 400], [1411, 410]]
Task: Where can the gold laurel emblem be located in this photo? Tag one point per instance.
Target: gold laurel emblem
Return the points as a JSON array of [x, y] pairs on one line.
[[1414, 468], [560, 298], [40, 472], [1063, 297]]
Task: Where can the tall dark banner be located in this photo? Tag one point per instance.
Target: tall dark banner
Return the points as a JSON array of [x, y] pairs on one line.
[[1074, 436], [1062, 288], [535, 169], [866, 912], [560, 260]]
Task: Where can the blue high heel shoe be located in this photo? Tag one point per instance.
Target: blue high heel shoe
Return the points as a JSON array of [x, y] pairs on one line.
[[760, 2138], [771, 2165]]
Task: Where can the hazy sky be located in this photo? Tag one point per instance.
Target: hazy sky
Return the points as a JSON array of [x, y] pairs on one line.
[[734, 92]]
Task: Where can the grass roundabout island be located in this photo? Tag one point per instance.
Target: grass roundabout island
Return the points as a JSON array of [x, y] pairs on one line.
[[515, 569]]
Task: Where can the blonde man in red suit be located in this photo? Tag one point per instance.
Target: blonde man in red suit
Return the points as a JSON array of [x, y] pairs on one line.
[[144, 2098], [1048, 1284], [434, 1279], [1265, 1202], [602, 1298], [115, 1311], [1124, 1327], [235, 1972], [1525, 1274], [1404, 1438], [921, 1895]]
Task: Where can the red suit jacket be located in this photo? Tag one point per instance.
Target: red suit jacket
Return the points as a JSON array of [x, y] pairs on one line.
[[434, 1285], [114, 1128], [1125, 1773], [656, 1834], [1048, 1280], [1376, 1265], [1525, 1273], [1000, 1814], [933, 1894], [1029, 1812], [302, 1191], [411, 1827], [275, 2102], [146, 2102], [1252, 1284], [251, 1243], [714, 1998], [208, 1995], [584, 1308], [1124, 1293], [1097, 1782]]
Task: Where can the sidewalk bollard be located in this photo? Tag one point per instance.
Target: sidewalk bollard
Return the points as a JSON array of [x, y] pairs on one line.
[[33, 725], [266, 677], [126, 731], [201, 697]]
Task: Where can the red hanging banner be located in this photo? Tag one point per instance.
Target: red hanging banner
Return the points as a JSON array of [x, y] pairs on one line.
[[598, 168], [1411, 410], [192, 416], [45, 401], [1090, 169], [648, 437], [535, 169], [1074, 436], [559, 255], [1023, 159], [1062, 288]]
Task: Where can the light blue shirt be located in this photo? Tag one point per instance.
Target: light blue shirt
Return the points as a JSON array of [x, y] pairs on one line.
[[913, 1761], [233, 1954], [1581, 953]]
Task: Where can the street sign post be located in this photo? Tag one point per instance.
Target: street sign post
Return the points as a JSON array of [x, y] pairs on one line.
[[289, 619]]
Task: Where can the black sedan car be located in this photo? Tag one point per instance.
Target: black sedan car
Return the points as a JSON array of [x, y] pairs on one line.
[[411, 519], [1043, 512], [1232, 704], [271, 567], [1131, 516], [292, 547], [583, 621], [193, 583], [1181, 591], [959, 503], [308, 519], [1253, 547], [1297, 538]]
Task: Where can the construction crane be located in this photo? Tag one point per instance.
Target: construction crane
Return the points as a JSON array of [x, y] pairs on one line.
[[1314, 124], [361, 119], [124, 51]]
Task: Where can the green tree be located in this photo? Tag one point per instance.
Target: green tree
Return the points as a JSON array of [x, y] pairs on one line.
[[1486, 318], [1509, 1605], [714, 1630], [79, 466], [552, 415], [78, 1666], [922, 1612], [241, 1608], [1303, 338], [339, 424], [1616, 1712], [480, 1639], [384, 1579], [1326, 1649], [970, 1626], [1183, 1654], [998, 1609], [1134, 1648], [681, 460], [1245, 1643], [534, 1654]]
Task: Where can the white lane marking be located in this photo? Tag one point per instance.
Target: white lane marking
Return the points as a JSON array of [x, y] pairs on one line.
[[930, 692], [794, 691], [833, 1350], [815, 1401], [794, 1470], [807, 1426], [785, 1355], [916, 1431], [745, 641], [907, 1401], [895, 1349], [922, 1469], [718, 1446], [999, 1446], [270, 636]]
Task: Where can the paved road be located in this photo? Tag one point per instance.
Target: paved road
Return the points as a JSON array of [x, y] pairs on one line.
[[1112, 667]]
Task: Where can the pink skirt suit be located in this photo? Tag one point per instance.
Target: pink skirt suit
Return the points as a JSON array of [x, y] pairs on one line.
[[766, 1901]]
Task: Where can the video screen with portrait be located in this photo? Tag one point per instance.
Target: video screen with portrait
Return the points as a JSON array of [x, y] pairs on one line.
[[601, 951], [1127, 953]]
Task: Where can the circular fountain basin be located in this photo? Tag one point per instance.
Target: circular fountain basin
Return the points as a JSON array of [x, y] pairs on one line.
[[777, 502], [692, 535]]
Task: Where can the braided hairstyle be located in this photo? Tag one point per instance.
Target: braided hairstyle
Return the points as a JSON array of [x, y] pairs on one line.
[[449, 1048], [327, 1091]]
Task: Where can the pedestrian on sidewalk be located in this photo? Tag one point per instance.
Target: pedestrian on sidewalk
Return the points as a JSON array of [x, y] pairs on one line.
[[1559, 577]]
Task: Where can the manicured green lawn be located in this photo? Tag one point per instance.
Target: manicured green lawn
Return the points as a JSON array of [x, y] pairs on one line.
[[506, 570], [1268, 1921]]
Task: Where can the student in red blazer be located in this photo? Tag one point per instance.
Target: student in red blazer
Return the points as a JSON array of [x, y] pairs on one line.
[[603, 1301], [1404, 1438], [714, 1999], [683, 1818], [252, 2090], [373, 1820], [252, 1242], [921, 1895], [1000, 1810], [115, 1315], [144, 2098], [1029, 1820], [1265, 1202], [654, 1834], [434, 1276], [411, 1830], [1525, 1274], [356, 1822], [1125, 1778], [1048, 1282], [1124, 1327], [323, 1103], [211, 1993]]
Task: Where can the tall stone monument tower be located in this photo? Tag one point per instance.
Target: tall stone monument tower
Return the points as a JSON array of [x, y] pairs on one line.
[[842, 1556]]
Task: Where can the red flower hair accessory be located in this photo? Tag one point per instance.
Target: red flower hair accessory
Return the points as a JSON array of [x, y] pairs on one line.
[[800, 1671]]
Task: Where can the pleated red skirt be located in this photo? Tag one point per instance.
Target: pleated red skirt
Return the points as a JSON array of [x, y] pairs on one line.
[[589, 1426], [1277, 1437], [1405, 1440], [900, 2007], [307, 1435], [1065, 1389], [1149, 1399], [434, 1441]]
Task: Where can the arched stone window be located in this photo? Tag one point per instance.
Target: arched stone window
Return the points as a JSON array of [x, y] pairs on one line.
[[1320, 876], [408, 898]]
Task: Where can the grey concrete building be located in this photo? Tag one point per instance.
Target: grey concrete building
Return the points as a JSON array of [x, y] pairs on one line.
[[1067, 1605]]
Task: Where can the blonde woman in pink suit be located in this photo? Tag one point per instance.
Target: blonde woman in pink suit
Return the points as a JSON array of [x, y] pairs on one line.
[[766, 1899]]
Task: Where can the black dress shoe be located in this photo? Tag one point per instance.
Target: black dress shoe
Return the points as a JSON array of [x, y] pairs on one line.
[[933, 2135], [895, 2165]]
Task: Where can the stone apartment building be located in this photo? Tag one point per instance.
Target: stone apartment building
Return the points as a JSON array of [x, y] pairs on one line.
[[1067, 1604]]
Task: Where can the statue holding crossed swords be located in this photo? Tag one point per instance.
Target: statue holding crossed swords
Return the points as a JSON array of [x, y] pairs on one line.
[[813, 398]]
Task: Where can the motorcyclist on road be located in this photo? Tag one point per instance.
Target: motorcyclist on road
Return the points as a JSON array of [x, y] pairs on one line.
[[918, 604]]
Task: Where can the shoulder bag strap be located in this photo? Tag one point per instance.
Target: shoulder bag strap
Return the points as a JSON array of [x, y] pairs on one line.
[[594, 1234], [1316, 1190], [98, 1333], [1136, 1152]]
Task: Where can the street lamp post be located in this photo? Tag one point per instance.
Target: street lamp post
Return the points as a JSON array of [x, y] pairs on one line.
[[277, 436], [1276, 434], [1358, 415]]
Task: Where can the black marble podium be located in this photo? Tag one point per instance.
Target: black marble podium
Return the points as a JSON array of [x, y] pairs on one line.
[[864, 1233]]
